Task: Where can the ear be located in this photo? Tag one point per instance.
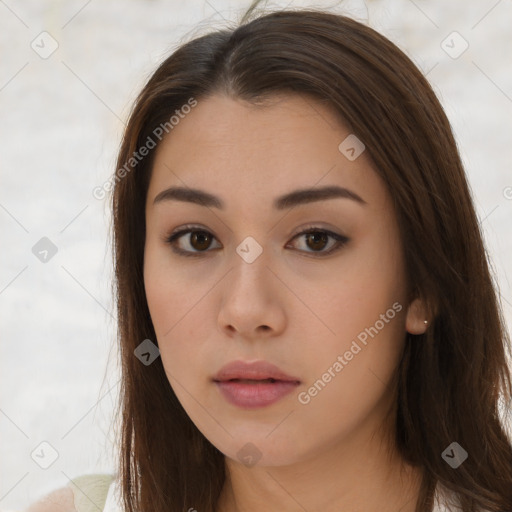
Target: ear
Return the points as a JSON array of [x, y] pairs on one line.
[[417, 313]]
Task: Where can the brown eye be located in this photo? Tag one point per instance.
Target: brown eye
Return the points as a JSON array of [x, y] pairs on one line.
[[191, 242], [316, 241], [200, 240]]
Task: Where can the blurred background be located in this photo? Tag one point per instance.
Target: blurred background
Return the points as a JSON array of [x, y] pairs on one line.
[[69, 72]]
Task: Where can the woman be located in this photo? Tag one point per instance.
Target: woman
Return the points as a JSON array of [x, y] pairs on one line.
[[306, 315]]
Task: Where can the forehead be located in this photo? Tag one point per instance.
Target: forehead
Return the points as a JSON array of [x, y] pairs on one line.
[[293, 141]]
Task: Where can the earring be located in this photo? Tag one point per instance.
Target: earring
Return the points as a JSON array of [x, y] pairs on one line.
[[425, 321]]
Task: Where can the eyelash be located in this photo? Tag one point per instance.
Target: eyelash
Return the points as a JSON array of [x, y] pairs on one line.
[[341, 240]]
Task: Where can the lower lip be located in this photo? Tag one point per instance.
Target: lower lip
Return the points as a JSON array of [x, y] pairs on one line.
[[259, 394]]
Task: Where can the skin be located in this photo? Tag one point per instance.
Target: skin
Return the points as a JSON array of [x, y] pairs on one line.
[[60, 500], [209, 310]]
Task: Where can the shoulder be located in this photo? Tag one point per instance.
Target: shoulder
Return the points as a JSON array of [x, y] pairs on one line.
[[82, 494], [60, 500]]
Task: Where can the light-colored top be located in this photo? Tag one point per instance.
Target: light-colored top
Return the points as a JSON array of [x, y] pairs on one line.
[[101, 492], [91, 492]]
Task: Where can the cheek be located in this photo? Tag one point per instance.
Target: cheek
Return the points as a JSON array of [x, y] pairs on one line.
[[169, 293], [355, 297], [178, 312], [363, 317], [348, 375], [183, 336], [367, 326]]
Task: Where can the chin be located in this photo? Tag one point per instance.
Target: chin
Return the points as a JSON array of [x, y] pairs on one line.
[[258, 450]]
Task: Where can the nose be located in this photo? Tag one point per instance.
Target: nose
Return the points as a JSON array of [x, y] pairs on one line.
[[253, 301]]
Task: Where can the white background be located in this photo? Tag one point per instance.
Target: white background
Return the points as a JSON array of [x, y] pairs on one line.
[[61, 119]]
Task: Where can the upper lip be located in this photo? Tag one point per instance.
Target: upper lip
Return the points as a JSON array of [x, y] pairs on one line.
[[257, 370]]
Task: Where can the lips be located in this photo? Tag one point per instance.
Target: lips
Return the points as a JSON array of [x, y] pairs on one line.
[[255, 371], [254, 385]]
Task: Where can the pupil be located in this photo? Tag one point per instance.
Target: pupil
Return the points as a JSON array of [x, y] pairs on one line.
[[320, 238], [201, 238]]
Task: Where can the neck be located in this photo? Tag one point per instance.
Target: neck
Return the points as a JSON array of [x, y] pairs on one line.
[[351, 476]]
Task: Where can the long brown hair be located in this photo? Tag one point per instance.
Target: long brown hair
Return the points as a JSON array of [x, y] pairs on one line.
[[450, 379]]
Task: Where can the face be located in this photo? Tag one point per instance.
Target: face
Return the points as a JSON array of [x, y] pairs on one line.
[[311, 283]]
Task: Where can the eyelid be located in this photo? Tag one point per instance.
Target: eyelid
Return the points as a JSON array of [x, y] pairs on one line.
[[186, 229], [341, 240], [183, 230]]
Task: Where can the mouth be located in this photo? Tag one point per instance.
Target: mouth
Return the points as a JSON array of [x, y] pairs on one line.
[[254, 385], [254, 394], [251, 381], [256, 371]]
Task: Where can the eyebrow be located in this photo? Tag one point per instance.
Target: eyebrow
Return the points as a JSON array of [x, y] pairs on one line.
[[295, 198]]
